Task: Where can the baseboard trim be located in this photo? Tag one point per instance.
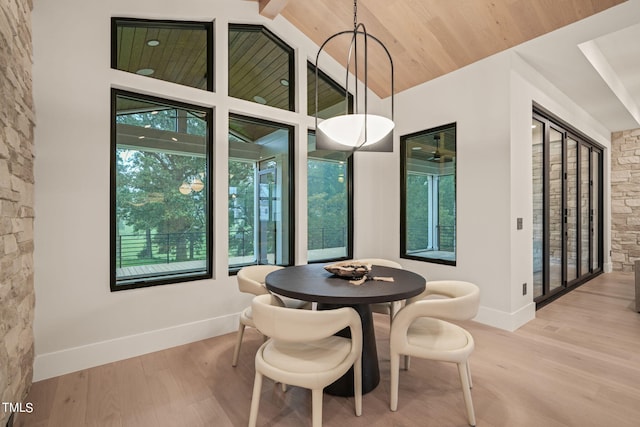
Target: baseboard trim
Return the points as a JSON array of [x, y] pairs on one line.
[[504, 320], [49, 365], [74, 359]]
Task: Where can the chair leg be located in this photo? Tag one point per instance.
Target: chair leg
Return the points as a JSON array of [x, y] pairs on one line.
[[393, 310], [255, 400], [395, 380], [407, 361], [357, 385], [463, 370], [469, 373], [316, 407], [236, 351]]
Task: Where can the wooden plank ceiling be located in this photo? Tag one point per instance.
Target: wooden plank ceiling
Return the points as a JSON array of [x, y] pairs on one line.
[[429, 38]]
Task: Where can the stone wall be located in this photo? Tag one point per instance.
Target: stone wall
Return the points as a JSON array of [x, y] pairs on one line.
[[17, 120], [625, 199]]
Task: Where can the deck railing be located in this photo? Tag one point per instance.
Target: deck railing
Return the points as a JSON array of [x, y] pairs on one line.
[[159, 248], [166, 248], [445, 240]]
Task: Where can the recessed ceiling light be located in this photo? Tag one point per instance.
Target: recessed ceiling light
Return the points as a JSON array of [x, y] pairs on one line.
[[145, 71], [284, 82], [153, 43], [260, 100]]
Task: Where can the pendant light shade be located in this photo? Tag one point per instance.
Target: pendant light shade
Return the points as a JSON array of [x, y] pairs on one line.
[[355, 130]]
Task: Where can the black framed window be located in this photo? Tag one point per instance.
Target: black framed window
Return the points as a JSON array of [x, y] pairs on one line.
[[332, 100], [261, 67], [329, 204], [175, 51], [329, 177], [428, 195], [261, 192], [161, 191]]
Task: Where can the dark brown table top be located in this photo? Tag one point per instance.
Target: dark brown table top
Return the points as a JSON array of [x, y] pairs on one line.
[[311, 282]]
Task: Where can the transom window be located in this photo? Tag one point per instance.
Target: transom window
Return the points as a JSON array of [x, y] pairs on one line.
[[261, 67], [428, 222], [175, 51], [331, 96]]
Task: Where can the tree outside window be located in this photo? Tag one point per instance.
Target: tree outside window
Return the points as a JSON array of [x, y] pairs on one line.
[[162, 191]]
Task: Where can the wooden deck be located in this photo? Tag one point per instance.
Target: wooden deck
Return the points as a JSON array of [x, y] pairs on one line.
[[155, 269]]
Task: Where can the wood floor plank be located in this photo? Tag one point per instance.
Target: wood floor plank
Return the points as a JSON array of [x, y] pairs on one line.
[[70, 401], [42, 396], [103, 402], [576, 364]]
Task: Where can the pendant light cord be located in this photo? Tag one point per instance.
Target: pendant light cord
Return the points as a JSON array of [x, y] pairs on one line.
[[355, 14]]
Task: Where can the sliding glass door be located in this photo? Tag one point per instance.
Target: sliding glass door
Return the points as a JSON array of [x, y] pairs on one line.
[[567, 206]]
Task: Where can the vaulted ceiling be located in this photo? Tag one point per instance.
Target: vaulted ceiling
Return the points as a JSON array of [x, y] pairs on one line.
[[429, 38]]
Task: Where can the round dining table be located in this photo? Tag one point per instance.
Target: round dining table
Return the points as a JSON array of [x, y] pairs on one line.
[[312, 282]]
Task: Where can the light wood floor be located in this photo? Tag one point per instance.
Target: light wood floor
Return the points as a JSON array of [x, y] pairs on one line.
[[576, 364]]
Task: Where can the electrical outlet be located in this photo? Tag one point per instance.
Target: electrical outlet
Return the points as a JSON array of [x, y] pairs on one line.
[[524, 289]]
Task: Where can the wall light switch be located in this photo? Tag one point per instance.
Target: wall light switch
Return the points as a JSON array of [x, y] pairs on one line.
[[519, 223]]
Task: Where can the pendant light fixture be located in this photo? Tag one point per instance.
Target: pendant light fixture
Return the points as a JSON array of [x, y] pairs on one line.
[[358, 130]]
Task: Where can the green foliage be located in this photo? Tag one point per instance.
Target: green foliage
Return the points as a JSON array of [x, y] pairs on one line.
[[148, 199], [327, 206], [241, 208]]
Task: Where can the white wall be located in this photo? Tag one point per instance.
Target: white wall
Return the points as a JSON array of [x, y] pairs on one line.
[[80, 323], [476, 98]]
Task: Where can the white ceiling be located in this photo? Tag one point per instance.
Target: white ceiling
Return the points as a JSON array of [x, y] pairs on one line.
[[596, 62]]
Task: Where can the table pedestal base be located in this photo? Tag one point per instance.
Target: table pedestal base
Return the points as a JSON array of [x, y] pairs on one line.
[[370, 370]]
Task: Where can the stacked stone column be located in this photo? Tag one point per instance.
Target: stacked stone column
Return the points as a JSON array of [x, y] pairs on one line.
[[17, 120], [625, 199]]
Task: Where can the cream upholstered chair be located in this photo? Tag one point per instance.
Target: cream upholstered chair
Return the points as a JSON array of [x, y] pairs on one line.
[[303, 350], [251, 281], [390, 308], [418, 330]]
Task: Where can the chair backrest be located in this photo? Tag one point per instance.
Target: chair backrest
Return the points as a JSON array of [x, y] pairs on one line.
[[447, 299], [251, 278], [379, 261], [288, 324]]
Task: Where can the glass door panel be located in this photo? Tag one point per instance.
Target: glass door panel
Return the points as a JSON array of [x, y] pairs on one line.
[[538, 206], [585, 208], [555, 210], [571, 210], [595, 209], [267, 208], [567, 206]]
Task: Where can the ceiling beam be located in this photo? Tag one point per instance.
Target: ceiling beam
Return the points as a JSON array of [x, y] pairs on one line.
[[271, 8]]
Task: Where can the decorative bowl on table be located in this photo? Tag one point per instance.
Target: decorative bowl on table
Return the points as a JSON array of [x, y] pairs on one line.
[[349, 269]]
